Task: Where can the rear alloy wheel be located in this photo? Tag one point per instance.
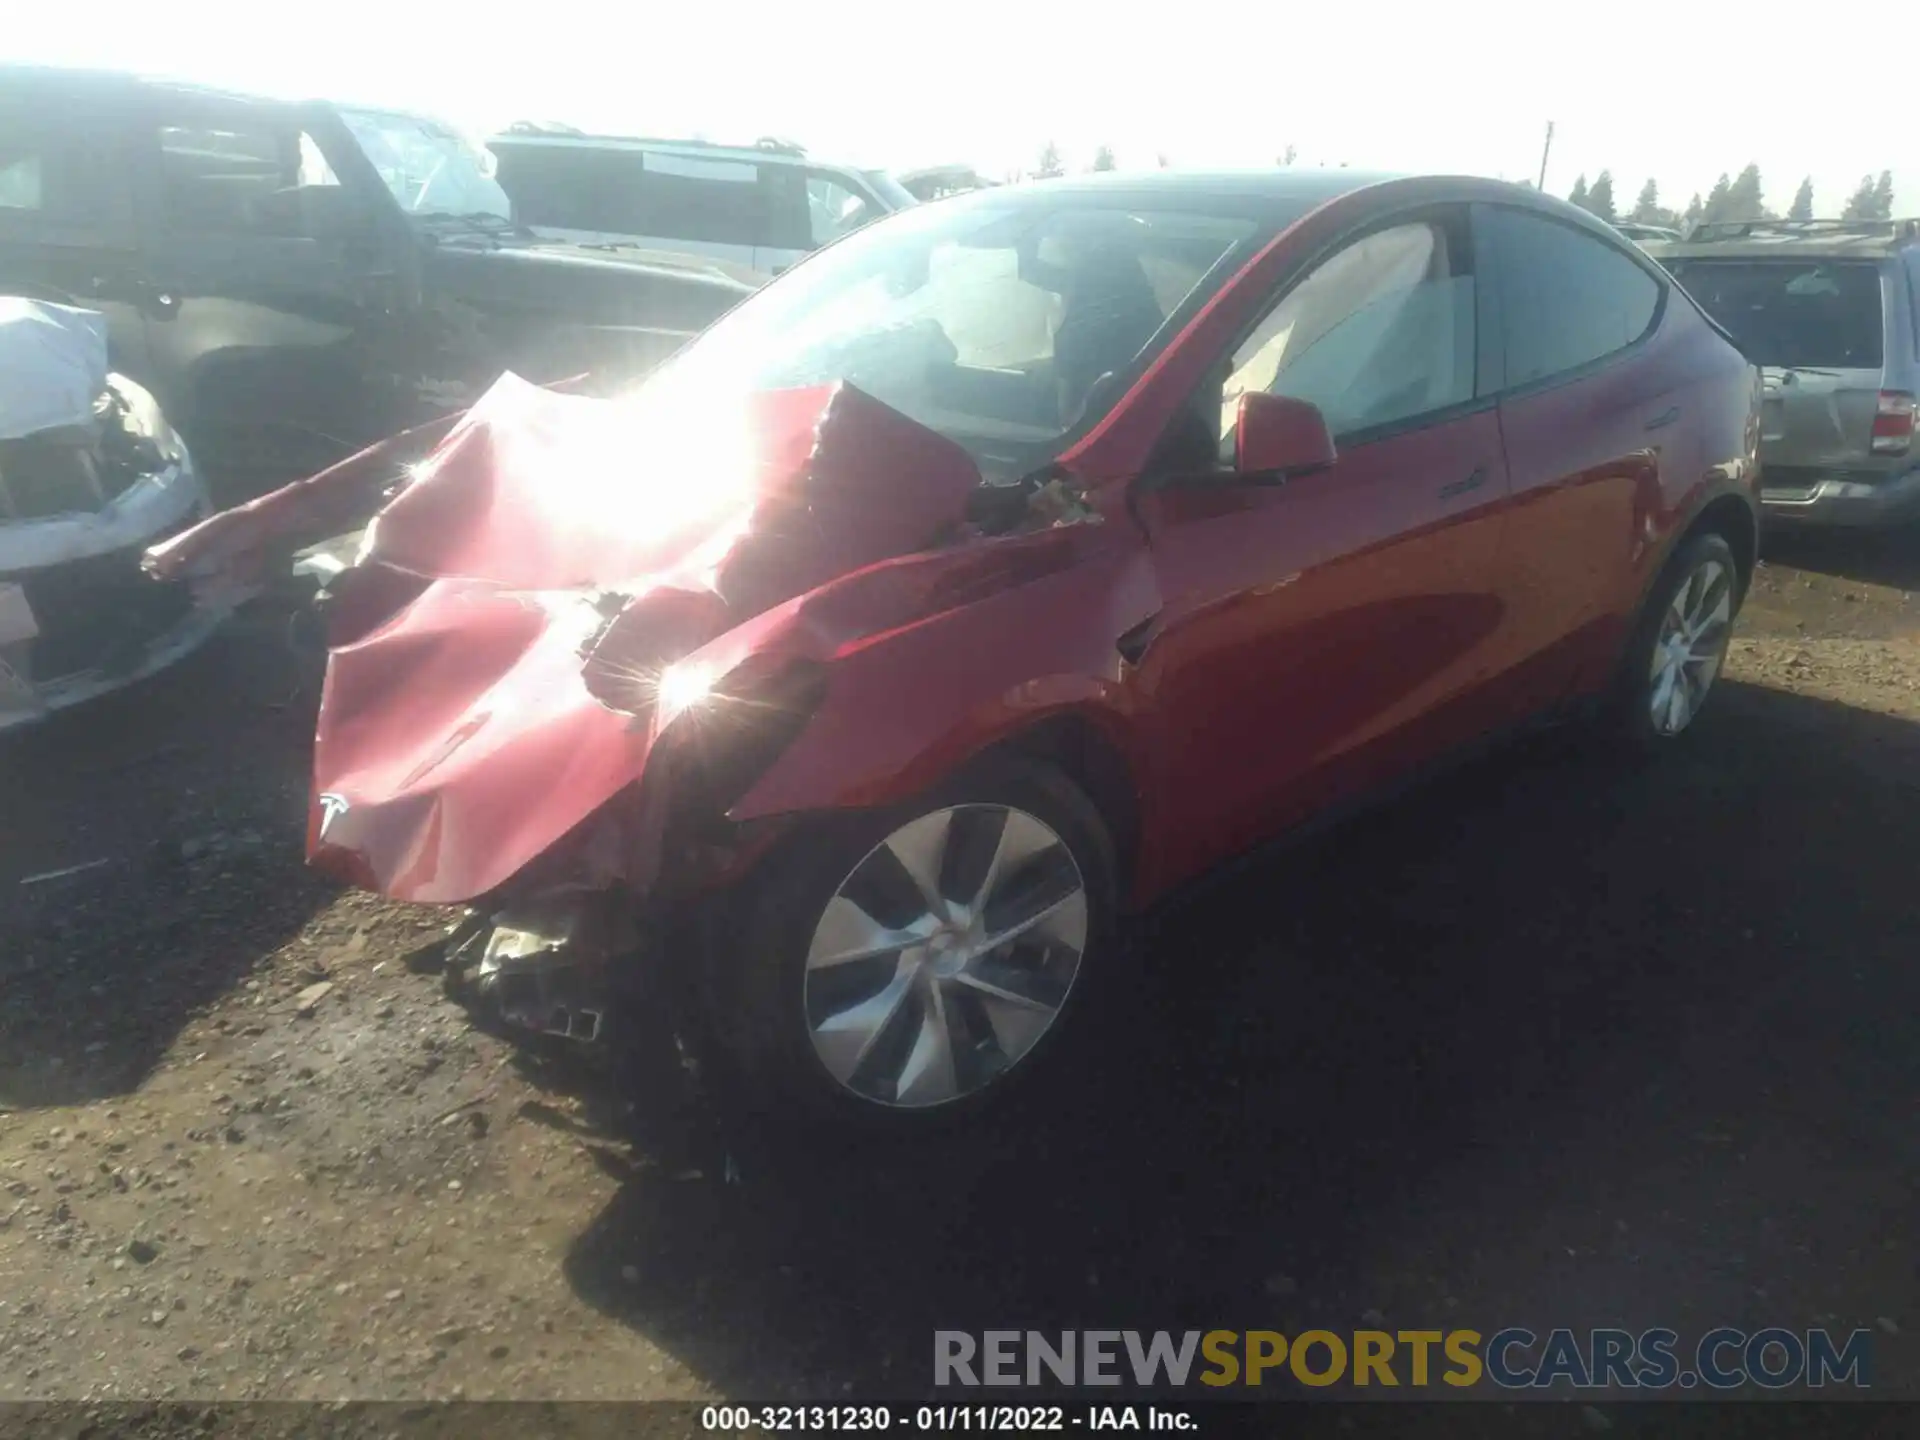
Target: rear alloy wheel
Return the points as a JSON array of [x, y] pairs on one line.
[[1682, 642], [917, 961], [1694, 631]]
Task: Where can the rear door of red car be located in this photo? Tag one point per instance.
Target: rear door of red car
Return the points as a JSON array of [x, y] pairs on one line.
[[1590, 416], [1325, 633]]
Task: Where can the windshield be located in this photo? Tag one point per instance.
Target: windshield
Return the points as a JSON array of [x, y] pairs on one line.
[[429, 167], [1792, 313], [1003, 321]]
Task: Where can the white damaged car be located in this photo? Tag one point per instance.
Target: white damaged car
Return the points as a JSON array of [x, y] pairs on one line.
[[91, 474]]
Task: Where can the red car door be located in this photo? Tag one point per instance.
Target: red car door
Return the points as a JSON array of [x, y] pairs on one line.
[[1325, 634], [1590, 415]]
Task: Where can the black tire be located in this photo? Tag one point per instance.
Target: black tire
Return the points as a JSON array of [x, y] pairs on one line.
[[758, 962], [1631, 705]]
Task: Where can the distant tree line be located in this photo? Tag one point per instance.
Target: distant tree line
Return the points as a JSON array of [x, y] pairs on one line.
[[1733, 197], [1738, 197]]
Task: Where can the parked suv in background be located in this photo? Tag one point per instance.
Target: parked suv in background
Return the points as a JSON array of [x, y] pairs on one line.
[[1830, 310], [765, 205], [293, 281]]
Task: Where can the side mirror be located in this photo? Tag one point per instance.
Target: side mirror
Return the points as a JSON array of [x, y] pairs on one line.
[[1279, 435]]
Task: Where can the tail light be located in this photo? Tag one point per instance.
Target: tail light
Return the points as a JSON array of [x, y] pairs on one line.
[[1893, 423]]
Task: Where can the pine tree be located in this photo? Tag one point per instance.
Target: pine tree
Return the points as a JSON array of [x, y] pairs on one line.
[[1744, 198], [1289, 155], [1103, 158], [1802, 207], [1883, 196], [1696, 210], [1860, 204], [1646, 209], [1718, 205], [1049, 165], [1578, 195], [1600, 197]]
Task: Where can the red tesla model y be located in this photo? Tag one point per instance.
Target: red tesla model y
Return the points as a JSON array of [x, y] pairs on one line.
[[995, 571]]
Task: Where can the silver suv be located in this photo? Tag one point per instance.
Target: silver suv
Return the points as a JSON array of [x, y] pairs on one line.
[[763, 206], [1830, 312]]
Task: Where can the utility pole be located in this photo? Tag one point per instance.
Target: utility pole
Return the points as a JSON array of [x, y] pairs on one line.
[[1545, 151]]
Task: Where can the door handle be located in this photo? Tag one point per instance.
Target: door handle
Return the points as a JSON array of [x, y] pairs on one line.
[[1664, 419], [1461, 487]]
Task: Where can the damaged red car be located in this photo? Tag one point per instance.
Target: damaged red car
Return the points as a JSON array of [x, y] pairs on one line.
[[991, 574]]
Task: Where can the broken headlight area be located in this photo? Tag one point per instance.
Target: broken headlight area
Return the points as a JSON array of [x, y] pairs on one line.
[[83, 467], [79, 503], [586, 928]]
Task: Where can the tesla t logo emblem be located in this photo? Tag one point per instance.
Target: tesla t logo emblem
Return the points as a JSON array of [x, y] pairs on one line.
[[332, 807]]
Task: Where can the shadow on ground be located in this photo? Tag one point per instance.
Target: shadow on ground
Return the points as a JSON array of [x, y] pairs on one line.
[[1557, 1041], [179, 806], [1873, 557]]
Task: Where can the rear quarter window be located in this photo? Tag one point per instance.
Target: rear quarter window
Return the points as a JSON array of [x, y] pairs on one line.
[[1822, 314], [1567, 299]]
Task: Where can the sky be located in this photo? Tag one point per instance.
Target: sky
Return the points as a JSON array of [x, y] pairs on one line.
[[1677, 91]]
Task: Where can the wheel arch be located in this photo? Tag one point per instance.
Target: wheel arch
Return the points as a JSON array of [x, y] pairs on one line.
[[1087, 755], [1732, 517]]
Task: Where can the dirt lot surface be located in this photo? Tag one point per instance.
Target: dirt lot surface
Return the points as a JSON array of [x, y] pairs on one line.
[[1554, 1042]]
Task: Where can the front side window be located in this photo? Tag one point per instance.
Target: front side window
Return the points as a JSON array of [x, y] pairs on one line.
[[1002, 322], [242, 176], [1380, 333], [1567, 298]]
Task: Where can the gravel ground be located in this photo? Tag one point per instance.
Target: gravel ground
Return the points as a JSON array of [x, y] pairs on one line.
[[1554, 1042]]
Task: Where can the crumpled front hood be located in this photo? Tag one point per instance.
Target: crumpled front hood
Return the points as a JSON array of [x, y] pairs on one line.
[[458, 737]]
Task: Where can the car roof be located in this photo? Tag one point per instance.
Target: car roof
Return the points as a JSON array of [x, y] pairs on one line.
[[1791, 239], [564, 137], [1283, 194], [122, 80]]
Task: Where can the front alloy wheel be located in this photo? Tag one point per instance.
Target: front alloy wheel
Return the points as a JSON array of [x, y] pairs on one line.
[[945, 955], [897, 967]]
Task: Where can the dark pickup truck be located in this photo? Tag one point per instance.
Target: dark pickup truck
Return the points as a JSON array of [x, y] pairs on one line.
[[296, 280]]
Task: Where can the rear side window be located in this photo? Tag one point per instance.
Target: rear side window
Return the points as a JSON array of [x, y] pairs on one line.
[[1819, 314], [1567, 299], [718, 201], [634, 192], [53, 176], [573, 187]]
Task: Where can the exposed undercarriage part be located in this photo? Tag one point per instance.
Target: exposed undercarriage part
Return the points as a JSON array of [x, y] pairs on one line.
[[90, 475], [543, 966]]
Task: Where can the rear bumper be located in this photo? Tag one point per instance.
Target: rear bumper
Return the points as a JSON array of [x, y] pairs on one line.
[[1843, 502]]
